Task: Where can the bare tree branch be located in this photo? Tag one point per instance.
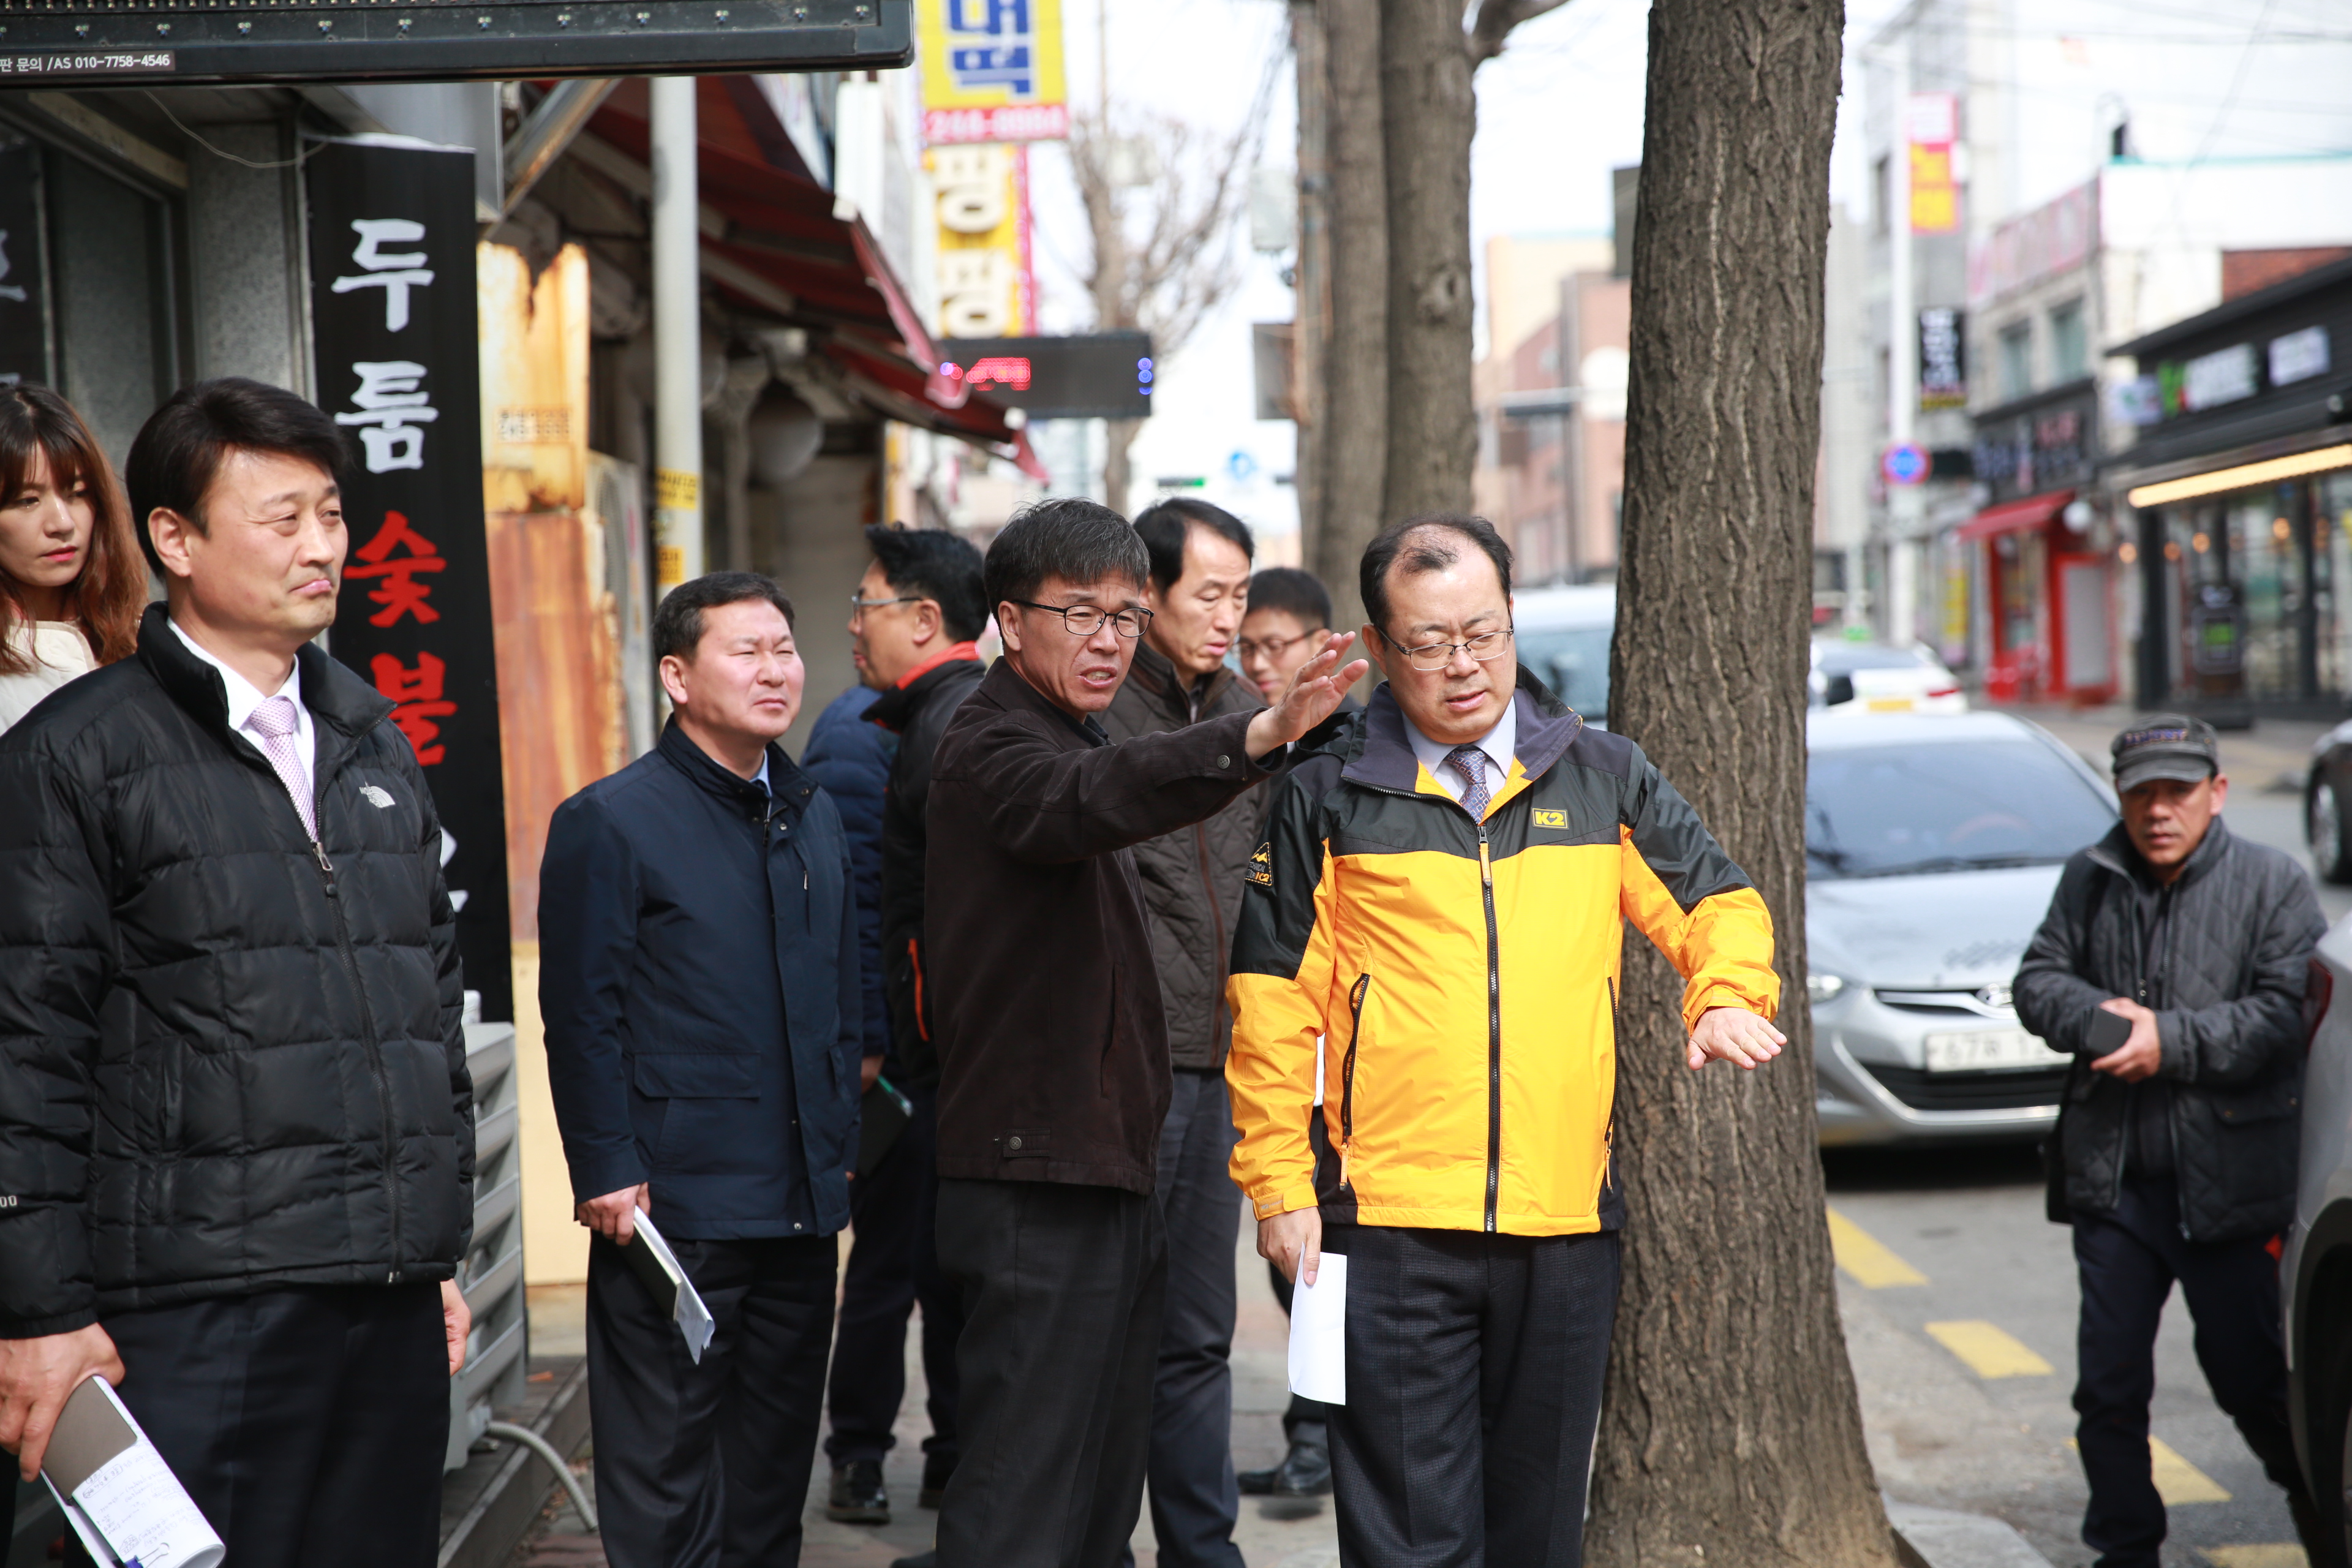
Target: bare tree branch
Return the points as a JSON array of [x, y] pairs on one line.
[[1494, 22]]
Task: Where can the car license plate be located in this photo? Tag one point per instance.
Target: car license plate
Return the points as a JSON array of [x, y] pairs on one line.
[[1890, 705], [1988, 1050]]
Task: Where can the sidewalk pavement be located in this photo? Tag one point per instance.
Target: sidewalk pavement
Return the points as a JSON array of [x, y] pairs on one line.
[[2271, 758]]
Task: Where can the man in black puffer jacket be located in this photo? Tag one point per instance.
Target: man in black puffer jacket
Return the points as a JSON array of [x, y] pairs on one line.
[[2171, 966], [237, 1140]]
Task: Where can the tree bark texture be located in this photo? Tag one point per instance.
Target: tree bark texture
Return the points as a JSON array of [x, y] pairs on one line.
[[1311, 280], [1428, 116], [1355, 385], [1729, 1428]]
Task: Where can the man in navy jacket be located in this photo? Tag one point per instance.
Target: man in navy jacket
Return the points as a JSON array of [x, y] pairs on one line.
[[700, 983]]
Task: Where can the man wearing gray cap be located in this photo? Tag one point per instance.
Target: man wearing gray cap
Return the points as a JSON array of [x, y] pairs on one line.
[[2171, 967]]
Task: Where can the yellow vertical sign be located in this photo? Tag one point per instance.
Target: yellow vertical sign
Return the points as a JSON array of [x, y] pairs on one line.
[[1931, 131], [987, 284], [991, 71]]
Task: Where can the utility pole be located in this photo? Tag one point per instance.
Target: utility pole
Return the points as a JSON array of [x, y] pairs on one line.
[[677, 336], [1311, 276], [1902, 360]]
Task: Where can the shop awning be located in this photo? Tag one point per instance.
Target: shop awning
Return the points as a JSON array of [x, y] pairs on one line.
[[775, 239], [2034, 512]]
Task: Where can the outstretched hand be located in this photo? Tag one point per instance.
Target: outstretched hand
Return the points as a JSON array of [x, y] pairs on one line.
[[1314, 696], [1734, 1035]]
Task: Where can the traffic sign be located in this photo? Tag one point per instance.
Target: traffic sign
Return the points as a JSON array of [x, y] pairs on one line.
[[1906, 464], [1242, 467], [181, 43]]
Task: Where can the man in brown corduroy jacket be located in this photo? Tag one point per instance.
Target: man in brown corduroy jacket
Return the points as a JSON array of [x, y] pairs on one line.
[[1052, 1038]]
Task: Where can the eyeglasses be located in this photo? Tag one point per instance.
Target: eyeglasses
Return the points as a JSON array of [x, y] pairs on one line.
[[858, 606], [1272, 646], [1429, 656], [1085, 620]]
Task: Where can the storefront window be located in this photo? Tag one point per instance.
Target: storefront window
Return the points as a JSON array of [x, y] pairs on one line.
[[2332, 552], [2250, 589]]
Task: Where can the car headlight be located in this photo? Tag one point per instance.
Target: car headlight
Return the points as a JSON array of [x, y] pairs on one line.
[[1823, 988]]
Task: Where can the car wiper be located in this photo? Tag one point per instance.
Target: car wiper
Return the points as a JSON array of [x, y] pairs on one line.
[[1955, 863], [1835, 859]]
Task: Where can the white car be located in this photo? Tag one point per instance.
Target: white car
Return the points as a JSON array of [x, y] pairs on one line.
[[1562, 635], [1871, 678]]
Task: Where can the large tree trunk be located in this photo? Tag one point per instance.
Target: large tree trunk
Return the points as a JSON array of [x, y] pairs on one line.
[[1118, 474], [1729, 1429], [1429, 117], [1355, 390], [1310, 331]]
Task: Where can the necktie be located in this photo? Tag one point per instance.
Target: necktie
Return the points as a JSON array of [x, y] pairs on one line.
[[274, 721], [1470, 764]]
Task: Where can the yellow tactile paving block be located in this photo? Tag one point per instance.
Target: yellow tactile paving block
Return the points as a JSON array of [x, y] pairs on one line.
[[1989, 1350], [1873, 1264]]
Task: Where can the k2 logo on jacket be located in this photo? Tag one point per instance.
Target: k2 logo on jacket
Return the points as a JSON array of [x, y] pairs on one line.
[[1261, 869], [376, 796], [1541, 818]]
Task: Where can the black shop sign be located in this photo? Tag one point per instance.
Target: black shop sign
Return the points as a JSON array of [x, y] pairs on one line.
[[2047, 447], [398, 366]]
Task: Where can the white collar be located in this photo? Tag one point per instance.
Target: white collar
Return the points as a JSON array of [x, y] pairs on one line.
[[1500, 744], [244, 697]]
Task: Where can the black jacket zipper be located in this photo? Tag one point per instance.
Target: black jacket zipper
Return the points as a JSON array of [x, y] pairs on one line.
[[1494, 1033], [1356, 995]]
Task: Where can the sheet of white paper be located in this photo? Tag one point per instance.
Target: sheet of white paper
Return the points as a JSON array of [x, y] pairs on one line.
[[83, 1530], [137, 1506], [1318, 1333], [694, 1319]]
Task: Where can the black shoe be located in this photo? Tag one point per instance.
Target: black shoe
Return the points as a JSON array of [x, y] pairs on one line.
[[1257, 1483], [1305, 1471], [920, 1560], [937, 1468], [858, 1497]]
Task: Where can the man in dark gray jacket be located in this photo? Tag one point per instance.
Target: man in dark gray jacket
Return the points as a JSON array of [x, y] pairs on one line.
[[2171, 965], [237, 1140], [1193, 881]]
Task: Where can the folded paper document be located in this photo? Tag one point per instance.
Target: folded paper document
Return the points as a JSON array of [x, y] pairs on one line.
[[658, 1267], [117, 1492], [1318, 1333]]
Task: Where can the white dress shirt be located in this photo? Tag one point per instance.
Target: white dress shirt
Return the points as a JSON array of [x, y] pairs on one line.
[[244, 697], [1498, 743]]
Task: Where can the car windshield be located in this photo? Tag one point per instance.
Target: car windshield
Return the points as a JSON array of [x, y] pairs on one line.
[[1891, 811], [1571, 660], [1844, 658]]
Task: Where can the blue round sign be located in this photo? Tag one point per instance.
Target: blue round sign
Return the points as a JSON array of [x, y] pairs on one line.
[[1905, 465]]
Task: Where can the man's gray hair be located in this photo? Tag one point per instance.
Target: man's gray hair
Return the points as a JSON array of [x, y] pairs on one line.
[[1075, 540]]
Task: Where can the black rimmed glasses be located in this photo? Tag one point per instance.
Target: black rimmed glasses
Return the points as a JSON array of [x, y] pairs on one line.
[[1432, 656], [1085, 620]]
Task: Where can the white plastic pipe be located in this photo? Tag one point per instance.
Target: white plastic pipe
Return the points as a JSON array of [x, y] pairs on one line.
[[677, 338]]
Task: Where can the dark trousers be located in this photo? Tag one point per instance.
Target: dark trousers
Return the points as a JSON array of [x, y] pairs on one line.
[[1474, 1392], [708, 1464], [893, 1263], [1194, 1499], [1301, 1410], [307, 1423], [1062, 1288], [2128, 1261]]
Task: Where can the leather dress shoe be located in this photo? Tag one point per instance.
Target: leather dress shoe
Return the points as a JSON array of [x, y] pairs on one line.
[[858, 1496], [1305, 1471]]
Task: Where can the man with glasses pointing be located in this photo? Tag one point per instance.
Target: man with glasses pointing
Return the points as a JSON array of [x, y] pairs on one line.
[[1442, 897], [1052, 1041]]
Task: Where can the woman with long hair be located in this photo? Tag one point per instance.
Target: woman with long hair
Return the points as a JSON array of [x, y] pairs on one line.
[[72, 583]]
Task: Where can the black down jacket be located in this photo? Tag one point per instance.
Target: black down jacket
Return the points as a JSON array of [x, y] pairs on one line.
[[229, 1060], [1192, 877], [2227, 991]]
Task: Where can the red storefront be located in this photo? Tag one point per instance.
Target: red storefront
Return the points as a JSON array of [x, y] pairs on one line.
[[2048, 587]]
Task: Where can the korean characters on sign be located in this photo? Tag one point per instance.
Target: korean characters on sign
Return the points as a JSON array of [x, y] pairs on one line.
[[1931, 131], [992, 71], [987, 282], [391, 407]]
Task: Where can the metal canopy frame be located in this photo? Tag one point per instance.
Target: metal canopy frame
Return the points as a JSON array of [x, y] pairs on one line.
[[181, 43]]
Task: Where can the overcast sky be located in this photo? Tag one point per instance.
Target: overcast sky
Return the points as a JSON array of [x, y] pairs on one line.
[[1562, 106]]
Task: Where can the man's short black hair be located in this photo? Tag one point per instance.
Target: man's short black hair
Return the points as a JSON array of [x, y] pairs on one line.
[[178, 451], [1076, 540], [1422, 544], [1164, 525], [677, 619], [1288, 591], [932, 563]]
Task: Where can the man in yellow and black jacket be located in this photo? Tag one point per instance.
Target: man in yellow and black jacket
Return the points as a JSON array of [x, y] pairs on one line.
[[1441, 901]]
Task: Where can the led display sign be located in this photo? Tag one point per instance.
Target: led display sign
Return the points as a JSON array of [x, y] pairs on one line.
[[1104, 375]]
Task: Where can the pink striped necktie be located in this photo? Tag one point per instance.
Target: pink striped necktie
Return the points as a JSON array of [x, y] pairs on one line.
[[275, 721]]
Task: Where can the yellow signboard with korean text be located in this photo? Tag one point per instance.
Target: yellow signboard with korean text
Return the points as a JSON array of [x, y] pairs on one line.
[[987, 284], [992, 71]]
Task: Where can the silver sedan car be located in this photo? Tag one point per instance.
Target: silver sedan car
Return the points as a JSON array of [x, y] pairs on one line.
[[1932, 846]]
